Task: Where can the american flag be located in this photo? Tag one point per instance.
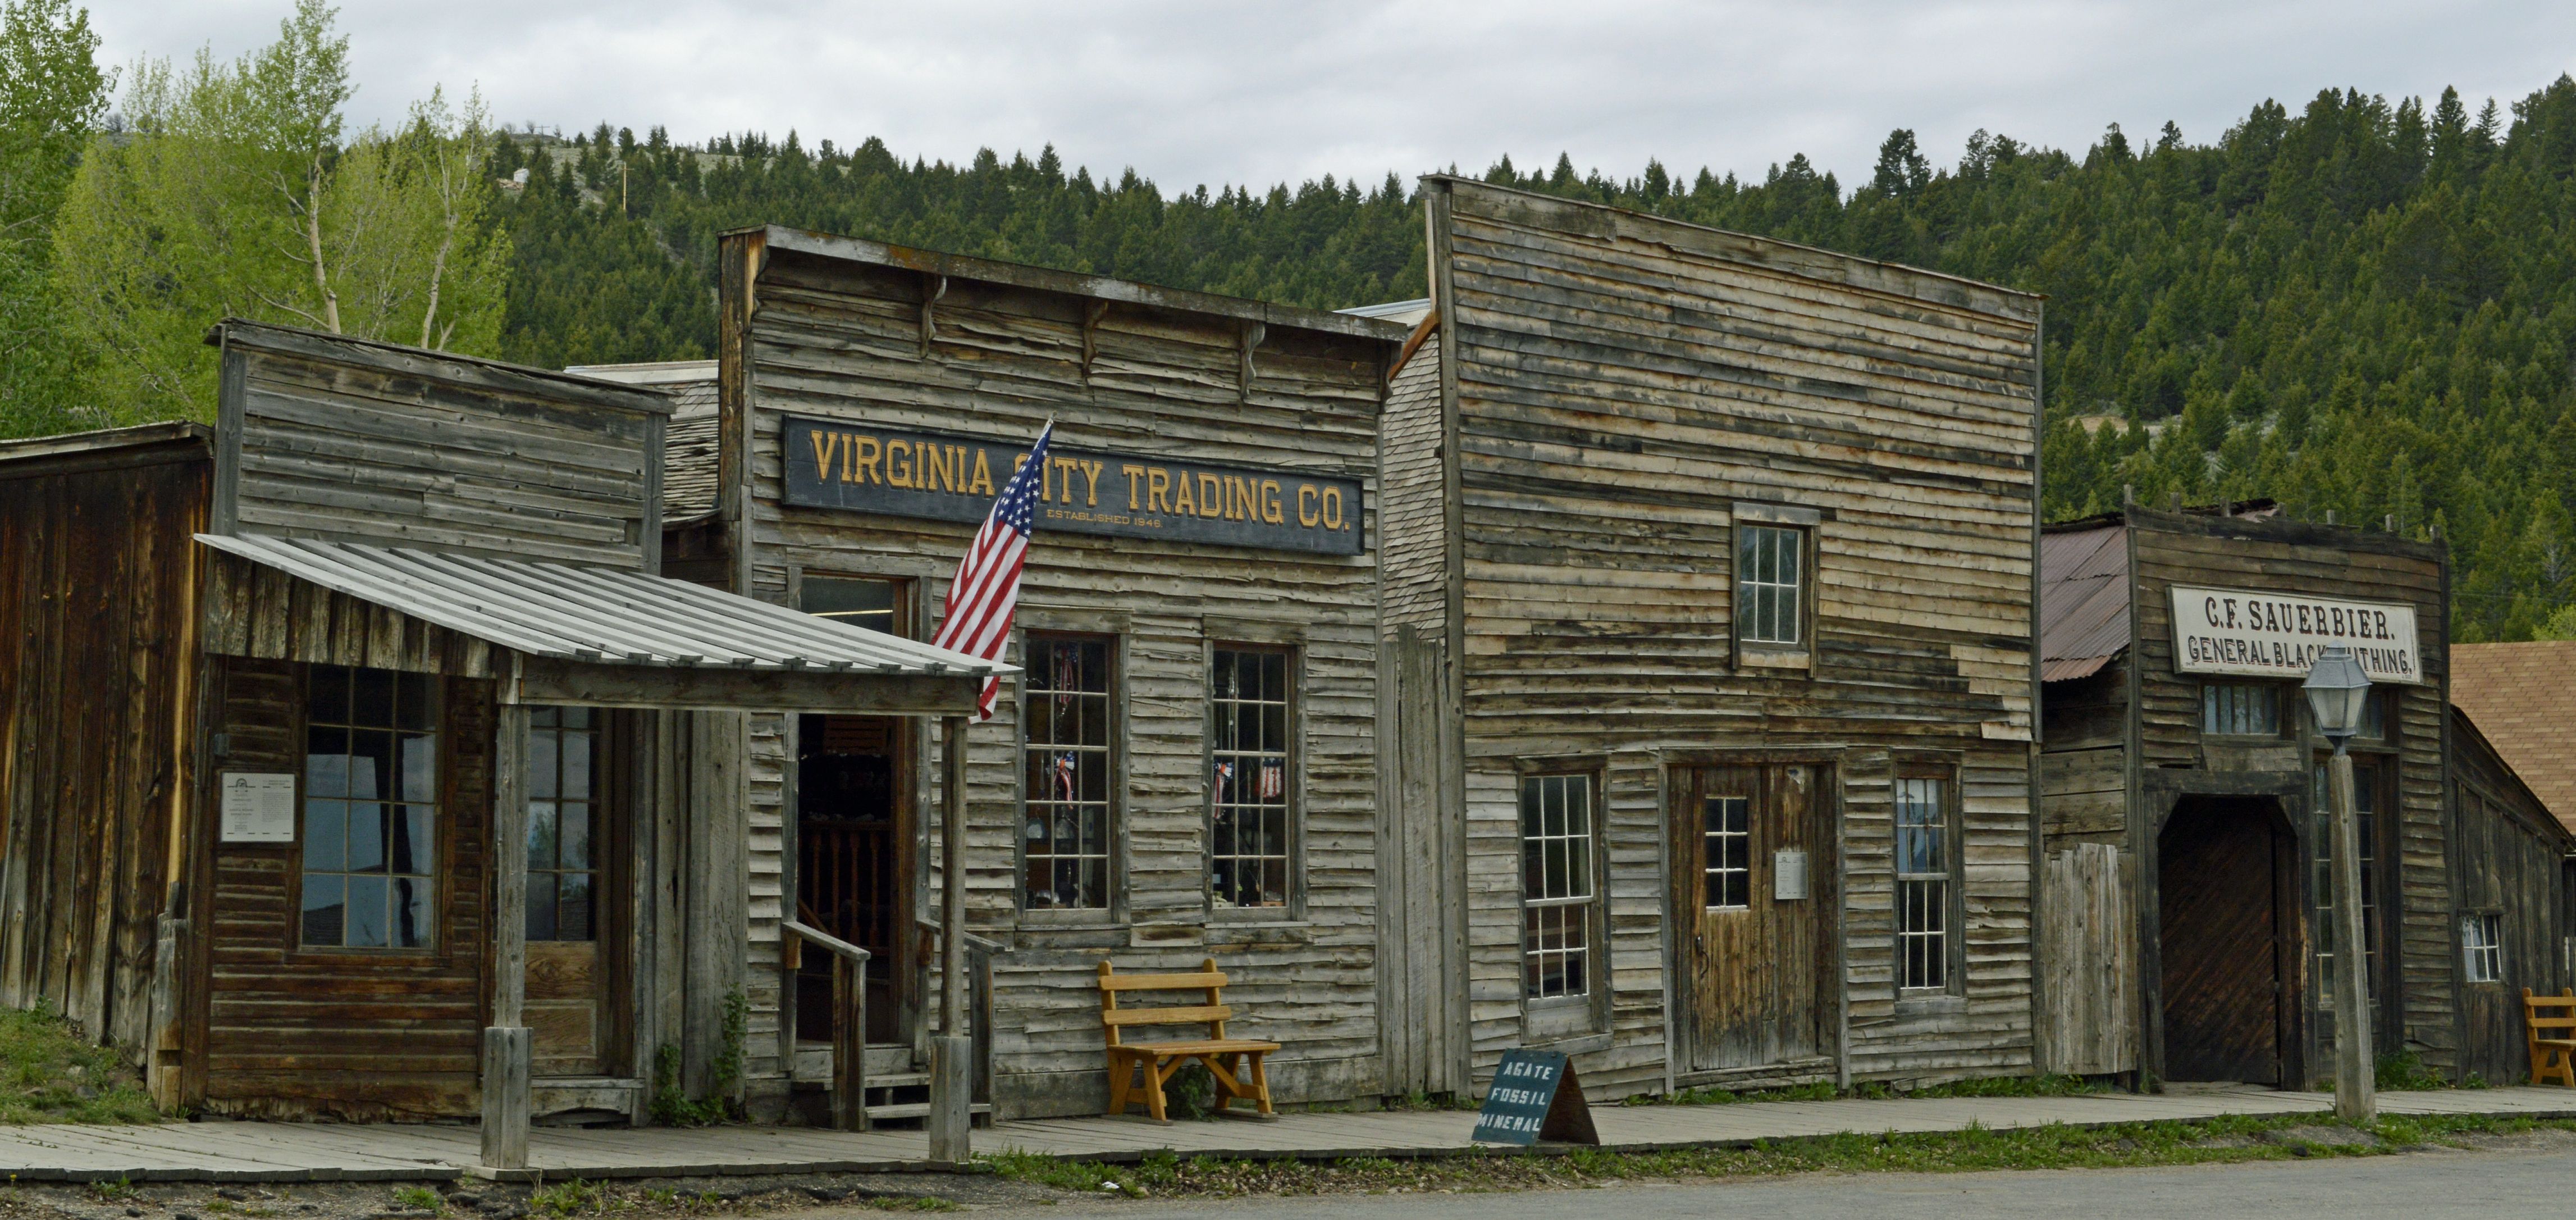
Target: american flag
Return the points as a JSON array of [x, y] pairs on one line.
[[977, 620], [1272, 781]]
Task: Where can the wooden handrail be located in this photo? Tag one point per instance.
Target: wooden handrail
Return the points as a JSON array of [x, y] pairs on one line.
[[974, 943], [821, 939]]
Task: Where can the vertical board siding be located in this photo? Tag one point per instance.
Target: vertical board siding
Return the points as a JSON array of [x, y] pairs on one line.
[[2509, 853], [842, 339], [368, 443], [1623, 381], [97, 686]]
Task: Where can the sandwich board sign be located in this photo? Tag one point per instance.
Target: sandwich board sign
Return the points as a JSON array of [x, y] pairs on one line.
[[1535, 1097]]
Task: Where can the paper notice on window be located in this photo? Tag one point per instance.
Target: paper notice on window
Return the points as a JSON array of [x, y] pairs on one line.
[[1789, 875], [258, 808]]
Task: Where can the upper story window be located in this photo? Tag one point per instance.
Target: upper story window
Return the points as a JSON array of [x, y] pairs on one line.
[[1252, 775], [857, 601], [1770, 575], [370, 866], [1068, 698], [2240, 709]]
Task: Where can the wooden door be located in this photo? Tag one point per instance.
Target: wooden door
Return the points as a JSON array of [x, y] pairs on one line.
[[575, 936], [2219, 876], [1751, 878], [854, 864]]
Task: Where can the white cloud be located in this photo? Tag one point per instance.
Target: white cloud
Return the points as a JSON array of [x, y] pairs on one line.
[[1214, 94]]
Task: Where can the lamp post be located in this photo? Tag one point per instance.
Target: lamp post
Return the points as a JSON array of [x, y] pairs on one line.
[[2336, 689]]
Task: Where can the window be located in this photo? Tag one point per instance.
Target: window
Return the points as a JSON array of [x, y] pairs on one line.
[[860, 603], [2240, 709], [563, 833], [1768, 561], [2482, 942], [370, 809], [1726, 838], [1251, 773], [1065, 711], [2365, 801], [1925, 858], [1558, 898], [2374, 716]]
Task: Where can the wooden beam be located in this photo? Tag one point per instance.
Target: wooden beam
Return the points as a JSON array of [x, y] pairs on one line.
[[952, 876], [507, 1043], [550, 680]]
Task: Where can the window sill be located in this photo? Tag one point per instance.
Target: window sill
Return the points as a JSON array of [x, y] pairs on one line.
[[1061, 917], [1566, 1044], [1929, 1003], [1754, 656]]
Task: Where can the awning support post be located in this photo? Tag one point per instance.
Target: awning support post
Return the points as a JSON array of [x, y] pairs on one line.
[[508, 1045], [952, 1052]]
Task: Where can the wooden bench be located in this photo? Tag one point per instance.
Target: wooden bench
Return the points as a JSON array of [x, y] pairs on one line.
[[1159, 1060], [2551, 1055]]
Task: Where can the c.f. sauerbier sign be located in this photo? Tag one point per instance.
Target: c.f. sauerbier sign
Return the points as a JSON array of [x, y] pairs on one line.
[[2278, 635], [954, 478]]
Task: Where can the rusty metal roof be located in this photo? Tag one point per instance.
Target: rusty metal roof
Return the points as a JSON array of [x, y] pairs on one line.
[[2083, 600]]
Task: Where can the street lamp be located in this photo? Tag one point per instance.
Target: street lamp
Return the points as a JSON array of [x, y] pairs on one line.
[[2337, 689]]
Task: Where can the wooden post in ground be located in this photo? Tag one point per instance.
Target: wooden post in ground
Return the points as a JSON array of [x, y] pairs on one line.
[[507, 1043], [2356, 1068], [952, 1053]]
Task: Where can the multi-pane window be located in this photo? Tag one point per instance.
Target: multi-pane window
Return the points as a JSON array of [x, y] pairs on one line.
[[2365, 801], [370, 809], [1066, 703], [2482, 943], [1925, 857], [1726, 844], [1768, 561], [1558, 897], [2374, 717], [1251, 772], [2240, 709], [563, 823]]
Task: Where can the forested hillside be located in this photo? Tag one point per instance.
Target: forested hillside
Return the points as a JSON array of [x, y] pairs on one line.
[[2360, 307]]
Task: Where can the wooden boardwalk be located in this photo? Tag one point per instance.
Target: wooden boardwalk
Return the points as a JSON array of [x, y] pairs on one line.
[[304, 1152]]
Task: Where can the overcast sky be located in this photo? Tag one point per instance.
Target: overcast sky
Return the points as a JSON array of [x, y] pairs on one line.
[[1229, 93]]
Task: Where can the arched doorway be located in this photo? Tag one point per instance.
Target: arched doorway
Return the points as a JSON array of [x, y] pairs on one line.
[[2227, 919]]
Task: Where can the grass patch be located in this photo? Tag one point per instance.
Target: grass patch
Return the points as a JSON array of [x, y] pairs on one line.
[[2213, 1141], [1987, 1086], [2404, 1071], [419, 1199], [50, 1074], [575, 1198]]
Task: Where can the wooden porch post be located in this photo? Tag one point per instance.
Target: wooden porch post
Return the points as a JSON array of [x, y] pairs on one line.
[[951, 1055], [507, 1044]]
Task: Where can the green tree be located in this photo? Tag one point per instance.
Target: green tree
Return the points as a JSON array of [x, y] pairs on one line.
[[236, 191], [52, 96]]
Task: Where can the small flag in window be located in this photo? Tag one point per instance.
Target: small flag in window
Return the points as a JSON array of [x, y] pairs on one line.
[[1224, 772], [1273, 782], [1064, 775]]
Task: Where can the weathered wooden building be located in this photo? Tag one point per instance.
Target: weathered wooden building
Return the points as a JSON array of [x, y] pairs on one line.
[[1187, 770], [1707, 658], [2513, 767], [2183, 809], [356, 761]]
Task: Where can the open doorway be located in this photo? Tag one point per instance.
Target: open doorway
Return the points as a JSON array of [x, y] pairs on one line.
[[2227, 887], [854, 830]]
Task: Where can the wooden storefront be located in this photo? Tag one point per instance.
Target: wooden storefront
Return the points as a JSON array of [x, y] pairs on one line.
[[1186, 771], [433, 800], [2182, 806], [1707, 659], [2513, 817]]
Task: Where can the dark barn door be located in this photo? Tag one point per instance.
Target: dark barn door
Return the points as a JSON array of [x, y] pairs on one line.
[[853, 864], [2222, 867], [1751, 877]]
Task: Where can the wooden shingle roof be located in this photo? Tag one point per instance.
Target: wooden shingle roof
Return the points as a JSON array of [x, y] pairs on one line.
[[2523, 697]]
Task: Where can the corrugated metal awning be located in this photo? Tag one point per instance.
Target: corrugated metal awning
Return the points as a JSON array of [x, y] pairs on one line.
[[2083, 600], [597, 616]]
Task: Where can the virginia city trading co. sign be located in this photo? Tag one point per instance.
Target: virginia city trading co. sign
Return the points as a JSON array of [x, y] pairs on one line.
[[2278, 635], [954, 478]]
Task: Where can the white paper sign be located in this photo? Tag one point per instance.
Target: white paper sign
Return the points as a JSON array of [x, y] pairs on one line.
[[2278, 635], [1789, 875], [258, 808]]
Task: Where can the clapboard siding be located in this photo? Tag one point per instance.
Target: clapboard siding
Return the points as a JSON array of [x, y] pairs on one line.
[[98, 673], [844, 338], [2328, 561], [342, 439], [1616, 384], [2509, 853]]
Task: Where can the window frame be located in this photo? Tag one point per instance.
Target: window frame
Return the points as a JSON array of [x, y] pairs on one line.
[[1113, 908], [442, 804], [2285, 717], [2375, 797], [2491, 951], [1293, 768], [1952, 877], [595, 812], [1804, 524], [1562, 1016]]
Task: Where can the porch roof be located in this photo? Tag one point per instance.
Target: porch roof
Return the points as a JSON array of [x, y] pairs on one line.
[[598, 616]]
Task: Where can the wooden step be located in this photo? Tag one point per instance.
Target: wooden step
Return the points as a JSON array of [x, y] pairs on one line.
[[917, 1109], [899, 1080], [814, 1062]]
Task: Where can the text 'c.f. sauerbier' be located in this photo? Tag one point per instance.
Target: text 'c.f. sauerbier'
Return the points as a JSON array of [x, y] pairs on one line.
[[2278, 635], [953, 478]]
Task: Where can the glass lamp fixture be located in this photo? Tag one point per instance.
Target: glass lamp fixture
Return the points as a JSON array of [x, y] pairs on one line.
[[2337, 689]]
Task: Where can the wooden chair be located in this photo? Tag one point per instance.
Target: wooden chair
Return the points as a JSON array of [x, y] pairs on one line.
[[1159, 1060], [2550, 1056]]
